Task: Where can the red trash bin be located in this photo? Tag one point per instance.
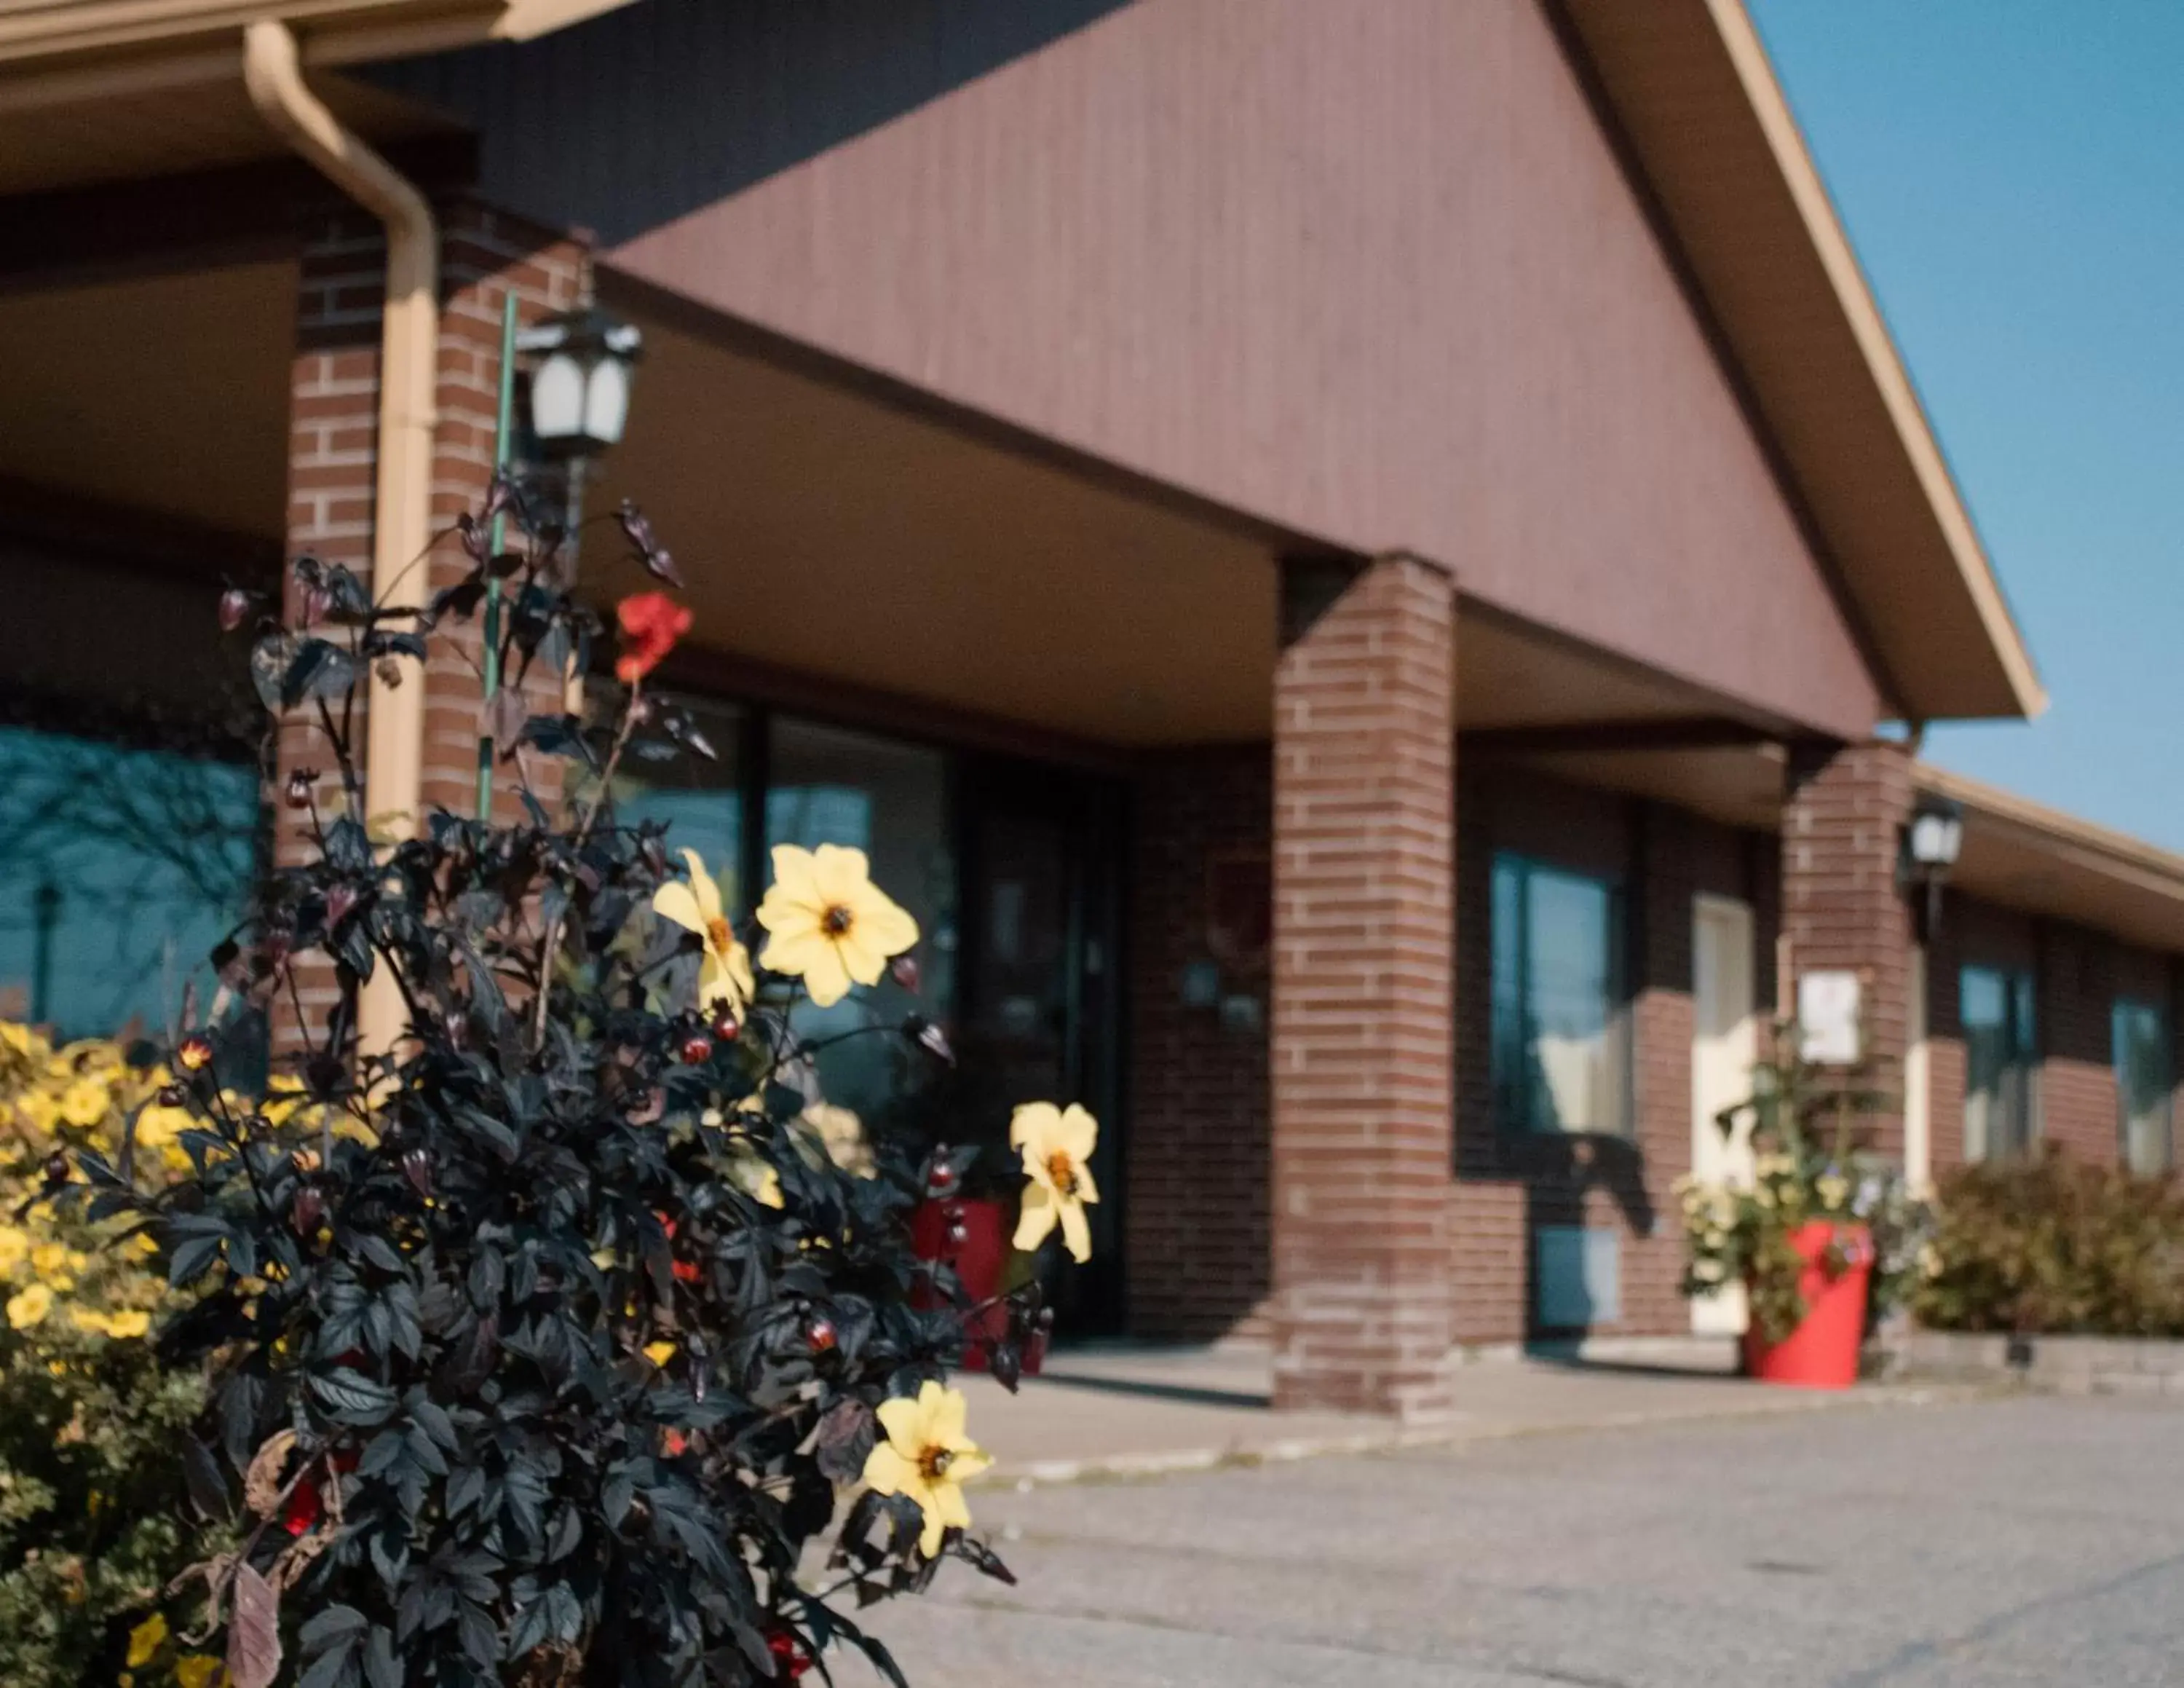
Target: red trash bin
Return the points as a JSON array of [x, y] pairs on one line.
[[1822, 1352]]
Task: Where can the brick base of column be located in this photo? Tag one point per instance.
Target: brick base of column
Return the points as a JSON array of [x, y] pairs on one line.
[[1363, 1080], [1843, 815]]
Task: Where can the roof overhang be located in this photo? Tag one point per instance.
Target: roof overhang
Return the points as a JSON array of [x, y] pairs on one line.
[[2025, 855], [56, 35], [1709, 131]]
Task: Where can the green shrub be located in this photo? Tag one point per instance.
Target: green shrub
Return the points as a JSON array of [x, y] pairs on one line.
[[2051, 1246]]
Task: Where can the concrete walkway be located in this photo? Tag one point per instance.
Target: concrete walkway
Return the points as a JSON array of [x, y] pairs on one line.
[[1123, 1411]]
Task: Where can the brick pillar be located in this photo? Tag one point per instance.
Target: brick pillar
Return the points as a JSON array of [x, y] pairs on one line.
[[1363, 1034], [332, 469], [1843, 816]]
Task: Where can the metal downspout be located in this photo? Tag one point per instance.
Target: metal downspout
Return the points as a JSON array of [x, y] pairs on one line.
[[409, 360]]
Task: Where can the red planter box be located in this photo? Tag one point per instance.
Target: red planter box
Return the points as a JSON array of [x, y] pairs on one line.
[[980, 1260], [1822, 1352]]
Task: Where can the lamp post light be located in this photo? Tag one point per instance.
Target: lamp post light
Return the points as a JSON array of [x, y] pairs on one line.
[[579, 384], [579, 392], [1932, 840]]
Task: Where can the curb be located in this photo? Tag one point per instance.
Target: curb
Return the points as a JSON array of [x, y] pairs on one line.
[[1027, 1474]]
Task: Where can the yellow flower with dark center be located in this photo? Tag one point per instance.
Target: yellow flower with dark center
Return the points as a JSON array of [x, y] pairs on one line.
[[146, 1639], [1056, 1147], [927, 1457], [724, 976], [827, 923], [30, 1306]]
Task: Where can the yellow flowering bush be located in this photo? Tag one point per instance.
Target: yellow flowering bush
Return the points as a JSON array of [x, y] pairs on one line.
[[94, 1519]]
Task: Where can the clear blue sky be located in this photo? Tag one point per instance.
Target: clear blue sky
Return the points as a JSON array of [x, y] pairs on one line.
[[2011, 174]]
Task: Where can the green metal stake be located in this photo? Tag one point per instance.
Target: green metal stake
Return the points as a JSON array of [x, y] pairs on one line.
[[493, 544]]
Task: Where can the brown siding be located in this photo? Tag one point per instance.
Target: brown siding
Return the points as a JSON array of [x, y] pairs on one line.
[[1367, 268]]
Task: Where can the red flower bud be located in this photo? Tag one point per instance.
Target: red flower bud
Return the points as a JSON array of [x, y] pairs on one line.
[[820, 1334], [234, 606], [196, 1052], [651, 624], [697, 1048]]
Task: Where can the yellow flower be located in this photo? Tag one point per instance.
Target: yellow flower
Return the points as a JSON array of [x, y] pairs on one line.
[[39, 1110], [841, 1134], [23, 1041], [198, 1670], [1057, 1148], [827, 923], [660, 1353], [85, 1102], [128, 1325], [30, 1306], [724, 976], [14, 1247], [146, 1639], [927, 1457], [47, 1260], [89, 1319], [158, 1127]]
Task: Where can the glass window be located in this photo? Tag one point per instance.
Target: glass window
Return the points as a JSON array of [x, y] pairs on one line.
[[1558, 1056], [2140, 1034], [2000, 1062], [890, 799], [700, 801], [119, 869]]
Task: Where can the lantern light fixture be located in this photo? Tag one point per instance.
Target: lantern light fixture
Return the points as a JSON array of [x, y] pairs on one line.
[[579, 384], [1933, 838]]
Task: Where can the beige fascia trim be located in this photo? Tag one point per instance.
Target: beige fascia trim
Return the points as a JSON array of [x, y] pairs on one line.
[[330, 31], [1748, 54], [408, 366], [2101, 849]]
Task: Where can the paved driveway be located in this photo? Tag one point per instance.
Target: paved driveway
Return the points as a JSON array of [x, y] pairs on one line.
[[1974, 1545]]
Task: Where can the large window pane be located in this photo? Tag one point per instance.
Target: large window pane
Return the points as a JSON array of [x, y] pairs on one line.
[[1557, 1045], [700, 801], [2001, 1057], [2143, 1083], [119, 869], [890, 800]]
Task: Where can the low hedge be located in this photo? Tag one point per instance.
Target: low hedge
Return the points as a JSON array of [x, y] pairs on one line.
[[2053, 1246]]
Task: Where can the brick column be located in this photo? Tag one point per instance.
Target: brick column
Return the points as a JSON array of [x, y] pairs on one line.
[[332, 469], [1843, 816], [1363, 1035]]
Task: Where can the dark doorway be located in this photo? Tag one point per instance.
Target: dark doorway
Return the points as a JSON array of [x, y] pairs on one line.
[[1039, 1008]]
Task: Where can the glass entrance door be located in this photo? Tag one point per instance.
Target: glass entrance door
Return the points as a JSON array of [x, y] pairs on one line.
[[1038, 986]]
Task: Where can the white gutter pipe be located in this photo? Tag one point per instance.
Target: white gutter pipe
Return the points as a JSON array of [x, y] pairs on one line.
[[409, 364]]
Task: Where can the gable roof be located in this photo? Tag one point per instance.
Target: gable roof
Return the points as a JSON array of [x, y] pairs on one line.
[[1689, 84]]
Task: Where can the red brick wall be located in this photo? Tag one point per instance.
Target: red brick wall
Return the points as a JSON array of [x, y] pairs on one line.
[[1842, 820], [1509, 1184], [1363, 1083], [2078, 975], [1198, 1142], [1196, 1215], [334, 415]]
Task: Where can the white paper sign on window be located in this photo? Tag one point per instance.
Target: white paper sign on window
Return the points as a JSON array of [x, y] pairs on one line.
[[1828, 1017]]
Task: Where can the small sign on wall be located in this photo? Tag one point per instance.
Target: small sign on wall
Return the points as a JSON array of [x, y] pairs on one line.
[[1828, 1008]]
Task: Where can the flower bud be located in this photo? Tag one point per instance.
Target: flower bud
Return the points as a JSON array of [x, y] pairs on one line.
[[298, 794], [234, 606], [196, 1052]]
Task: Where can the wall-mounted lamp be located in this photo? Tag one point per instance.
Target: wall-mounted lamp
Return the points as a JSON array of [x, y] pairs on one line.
[[1932, 840]]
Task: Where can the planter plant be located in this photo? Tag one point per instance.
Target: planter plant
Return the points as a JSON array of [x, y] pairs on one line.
[[569, 1342], [1826, 1237]]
